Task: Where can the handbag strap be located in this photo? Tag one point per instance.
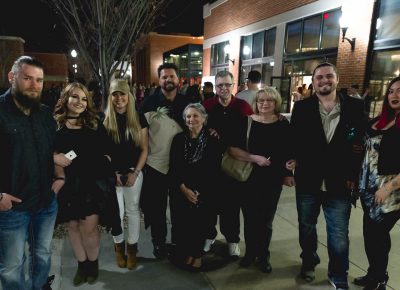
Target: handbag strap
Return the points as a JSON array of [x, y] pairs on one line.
[[249, 120]]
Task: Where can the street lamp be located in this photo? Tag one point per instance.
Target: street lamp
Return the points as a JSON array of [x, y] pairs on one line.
[[227, 50], [74, 53], [344, 24]]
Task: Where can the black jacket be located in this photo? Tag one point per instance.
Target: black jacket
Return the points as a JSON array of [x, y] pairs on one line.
[[335, 162], [26, 154]]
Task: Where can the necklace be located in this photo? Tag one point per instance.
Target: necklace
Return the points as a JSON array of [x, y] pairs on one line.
[[73, 126]]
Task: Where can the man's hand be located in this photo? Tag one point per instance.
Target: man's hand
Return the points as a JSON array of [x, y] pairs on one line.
[[131, 179], [7, 200], [261, 160], [57, 185], [214, 133], [291, 164], [61, 160]]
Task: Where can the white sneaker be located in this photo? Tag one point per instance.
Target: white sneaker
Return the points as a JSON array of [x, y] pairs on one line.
[[207, 245], [234, 249]]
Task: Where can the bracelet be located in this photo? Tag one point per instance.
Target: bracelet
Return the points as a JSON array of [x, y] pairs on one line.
[[1, 196], [58, 178]]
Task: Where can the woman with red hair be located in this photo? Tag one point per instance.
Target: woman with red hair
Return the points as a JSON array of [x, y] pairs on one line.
[[379, 187]]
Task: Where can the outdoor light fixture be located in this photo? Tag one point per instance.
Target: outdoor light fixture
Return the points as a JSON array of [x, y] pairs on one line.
[[351, 41], [227, 50]]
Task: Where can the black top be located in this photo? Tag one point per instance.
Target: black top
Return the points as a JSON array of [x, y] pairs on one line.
[[26, 154], [201, 175], [125, 154], [271, 140]]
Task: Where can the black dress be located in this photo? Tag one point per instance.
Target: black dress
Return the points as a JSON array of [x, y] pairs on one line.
[[89, 182]]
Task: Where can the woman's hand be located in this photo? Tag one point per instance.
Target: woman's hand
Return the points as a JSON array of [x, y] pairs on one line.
[[381, 194], [291, 164], [261, 160], [131, 179], [191, 196], [118, 179], [61, 160], [57, 185]]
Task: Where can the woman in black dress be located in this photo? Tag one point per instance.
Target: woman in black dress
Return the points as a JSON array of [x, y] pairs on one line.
[[194, 169], [268, 150], [86, 193]]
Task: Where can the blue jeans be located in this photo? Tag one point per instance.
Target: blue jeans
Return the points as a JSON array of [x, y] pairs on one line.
[[337, 214], [17, 227]]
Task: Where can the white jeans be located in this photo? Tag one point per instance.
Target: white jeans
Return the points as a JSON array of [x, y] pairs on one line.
[[128, 201]]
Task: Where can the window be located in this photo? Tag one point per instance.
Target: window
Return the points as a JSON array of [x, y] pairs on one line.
[[247, 42], [269, 42], [313, 33], [389, 19], [258, 47], [219, 58], [312, 28], [331, 29], [293, 37]]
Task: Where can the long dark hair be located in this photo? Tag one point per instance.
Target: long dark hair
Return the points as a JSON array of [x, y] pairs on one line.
[[387, 113]]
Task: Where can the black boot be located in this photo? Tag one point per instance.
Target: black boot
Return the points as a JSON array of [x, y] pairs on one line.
[[365, 280], [80, 275], [376, 285], [92, 271]]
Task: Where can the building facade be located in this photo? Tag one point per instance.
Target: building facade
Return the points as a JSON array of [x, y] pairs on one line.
[[285, 40]]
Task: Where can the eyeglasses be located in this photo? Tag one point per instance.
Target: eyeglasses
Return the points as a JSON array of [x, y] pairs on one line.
[[221, 86], [262, 101]]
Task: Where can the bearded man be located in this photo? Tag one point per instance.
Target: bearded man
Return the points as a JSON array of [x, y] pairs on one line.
[[28, 205], [328, 130], [163, 112]]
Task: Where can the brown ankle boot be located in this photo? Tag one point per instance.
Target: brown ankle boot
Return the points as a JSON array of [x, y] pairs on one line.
[[120, 254], [132, 250]]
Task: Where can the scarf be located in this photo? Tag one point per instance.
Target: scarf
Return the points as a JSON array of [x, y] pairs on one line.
[[194, 147]]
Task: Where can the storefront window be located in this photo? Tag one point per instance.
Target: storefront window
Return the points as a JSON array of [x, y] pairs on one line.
[[246, 47], [312, 28], [219, 57]]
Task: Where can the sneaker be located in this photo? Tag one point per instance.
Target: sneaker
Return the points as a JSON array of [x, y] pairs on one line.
[[207, 245], [307, 274], [234, 250], [339, 285]]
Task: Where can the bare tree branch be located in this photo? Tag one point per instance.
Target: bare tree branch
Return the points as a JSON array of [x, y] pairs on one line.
[[105, 32]]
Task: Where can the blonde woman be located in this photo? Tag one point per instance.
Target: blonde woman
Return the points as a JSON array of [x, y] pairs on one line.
[[268, 150], [129, 152]]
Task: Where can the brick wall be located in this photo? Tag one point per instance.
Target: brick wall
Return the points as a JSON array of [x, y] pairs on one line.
[[237, 13], [352, 65]]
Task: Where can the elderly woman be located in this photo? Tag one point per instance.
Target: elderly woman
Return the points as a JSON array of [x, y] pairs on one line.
[[268, 150], [194, 168], [379, 187]]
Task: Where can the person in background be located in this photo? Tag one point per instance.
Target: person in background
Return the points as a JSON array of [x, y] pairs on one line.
[[163, 112], [128, 132], [89, 189], [334, 125], [208, 91], [268, 150], [379, 188], [194, 170], [28, 206], [193, 94], [353, 91], [253, 85]]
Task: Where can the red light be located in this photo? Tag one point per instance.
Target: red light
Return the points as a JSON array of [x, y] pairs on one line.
[[326, 16]]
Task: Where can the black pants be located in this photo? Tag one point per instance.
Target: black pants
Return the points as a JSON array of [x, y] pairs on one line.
[[259, 208], [377, 242], [154, 201], [227, 200]]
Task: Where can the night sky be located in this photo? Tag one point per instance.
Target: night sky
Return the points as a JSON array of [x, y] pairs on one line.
[[39, 26]]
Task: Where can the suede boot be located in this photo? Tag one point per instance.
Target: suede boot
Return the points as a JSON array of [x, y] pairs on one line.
[[120, 254], [132, 250], [80, 275], [92, 271]]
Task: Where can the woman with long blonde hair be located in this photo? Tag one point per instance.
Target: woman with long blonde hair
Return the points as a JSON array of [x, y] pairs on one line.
[[129, 151]]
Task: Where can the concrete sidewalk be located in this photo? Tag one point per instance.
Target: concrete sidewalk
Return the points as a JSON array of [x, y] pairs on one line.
[[155, 274]]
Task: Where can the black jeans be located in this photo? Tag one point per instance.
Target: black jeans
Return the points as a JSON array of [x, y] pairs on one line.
[[377, 242], [154, 201], [228, 208]]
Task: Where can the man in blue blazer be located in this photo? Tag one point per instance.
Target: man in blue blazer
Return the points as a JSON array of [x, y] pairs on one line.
[[327, 131]]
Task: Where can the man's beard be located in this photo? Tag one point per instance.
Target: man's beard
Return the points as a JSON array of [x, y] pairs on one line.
[[324, 92], [169, 88], [26, 101]]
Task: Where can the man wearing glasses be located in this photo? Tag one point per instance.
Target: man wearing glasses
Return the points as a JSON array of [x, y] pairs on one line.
[[224, 114]]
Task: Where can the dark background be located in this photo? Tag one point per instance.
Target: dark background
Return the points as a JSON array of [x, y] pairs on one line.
[[42, 30]]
